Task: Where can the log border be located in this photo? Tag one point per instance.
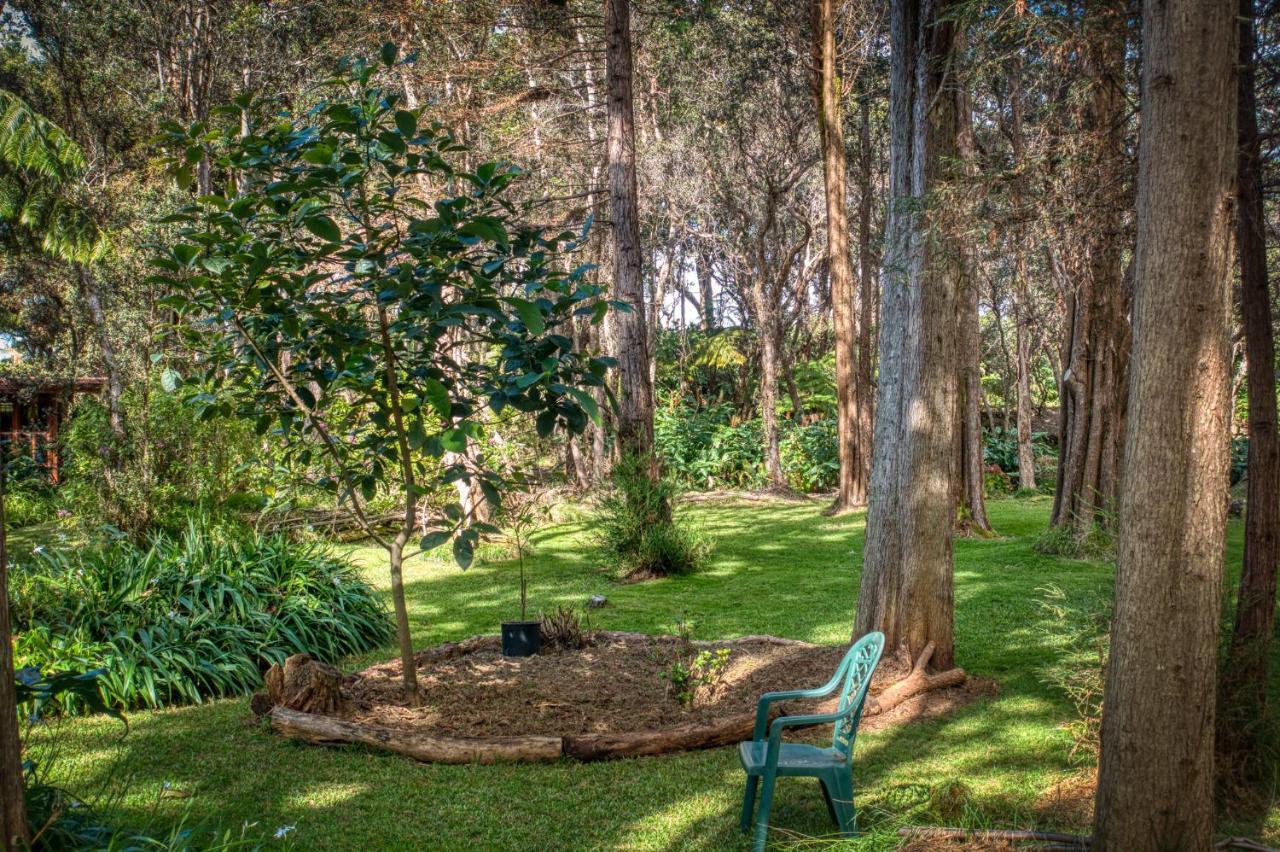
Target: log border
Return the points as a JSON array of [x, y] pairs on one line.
[[430, 748]]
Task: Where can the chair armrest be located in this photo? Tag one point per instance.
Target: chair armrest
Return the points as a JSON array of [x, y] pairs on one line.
[[762, 707], [783, 722]]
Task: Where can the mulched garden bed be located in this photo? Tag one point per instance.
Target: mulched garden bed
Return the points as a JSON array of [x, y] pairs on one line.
[[608, 699]]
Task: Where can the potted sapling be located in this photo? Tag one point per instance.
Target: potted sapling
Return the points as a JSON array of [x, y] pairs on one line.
[[522, 638]]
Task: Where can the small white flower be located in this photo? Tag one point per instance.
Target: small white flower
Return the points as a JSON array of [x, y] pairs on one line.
[[283, 830], [38, 549], [166, 785]]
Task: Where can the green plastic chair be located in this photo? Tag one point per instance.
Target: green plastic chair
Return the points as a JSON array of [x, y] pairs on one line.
[[768, 757]]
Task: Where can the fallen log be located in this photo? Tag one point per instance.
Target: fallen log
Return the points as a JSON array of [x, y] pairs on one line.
[[326, 730], [918, 682], [588, 747]]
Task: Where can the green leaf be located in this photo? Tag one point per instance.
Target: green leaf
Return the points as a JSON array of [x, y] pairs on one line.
[[432, 540], [588, 403], [530, 314], [318, 154], [323, 227], [406, 123], [454, 440], [437, 397], [463, 551], [546, 423], [388, 54]]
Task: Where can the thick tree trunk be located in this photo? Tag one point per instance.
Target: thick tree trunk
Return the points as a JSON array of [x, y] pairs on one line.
[[854, 461], [1156, 774], [635, 406], [13, 808], [1095, 349], [1242, 709], [906, 586]]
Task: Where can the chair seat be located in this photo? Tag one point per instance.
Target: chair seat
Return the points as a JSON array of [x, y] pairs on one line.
[[793, 758]]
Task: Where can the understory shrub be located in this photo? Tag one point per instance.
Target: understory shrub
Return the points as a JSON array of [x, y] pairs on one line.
[[1082, 629], [704, 448], [637, 531], [1096, 541], [192, 617]]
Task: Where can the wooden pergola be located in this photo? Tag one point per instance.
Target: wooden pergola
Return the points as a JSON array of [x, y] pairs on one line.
[[31, 413]]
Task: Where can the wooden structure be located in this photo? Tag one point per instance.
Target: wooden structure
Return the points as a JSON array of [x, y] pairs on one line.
[[31, 412]]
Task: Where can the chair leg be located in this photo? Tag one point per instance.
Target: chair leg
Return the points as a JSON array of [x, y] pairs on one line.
[[845, 813], [762, 815], [749, 801], [826, 796]]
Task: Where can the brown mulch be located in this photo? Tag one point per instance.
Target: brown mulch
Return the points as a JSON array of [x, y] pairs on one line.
[[612, 686]]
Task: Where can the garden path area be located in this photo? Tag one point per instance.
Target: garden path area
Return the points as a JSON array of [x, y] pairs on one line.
[[778, 568]]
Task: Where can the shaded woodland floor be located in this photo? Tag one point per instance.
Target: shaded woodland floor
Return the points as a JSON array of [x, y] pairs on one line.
[[778, 568]]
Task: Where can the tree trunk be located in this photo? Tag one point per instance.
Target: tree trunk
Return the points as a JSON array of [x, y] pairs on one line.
[[867, 284], [906, 586], [13, 807], [1095, 350], [767, 327], [115, 381], [1156, 773], [635, 406], [1021, 317], [1242, 708], [970, 483], [854, 462]]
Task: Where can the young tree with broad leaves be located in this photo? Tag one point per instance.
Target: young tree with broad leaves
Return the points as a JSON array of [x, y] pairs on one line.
[[367, 327]]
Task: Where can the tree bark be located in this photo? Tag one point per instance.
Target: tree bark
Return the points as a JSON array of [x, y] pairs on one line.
[[906, 586], [1021, 312], [1242, 707], [115, 381], [635, 408], [1095, 350], [854, 461], [13, 807], [1155, 784]]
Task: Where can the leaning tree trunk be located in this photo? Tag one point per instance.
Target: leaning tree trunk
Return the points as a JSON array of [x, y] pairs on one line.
[[1156, 773], [1242, 708], [854, 466], [1095, 350], [906, 586], [13, 809], [635, 406], [1021, 310]]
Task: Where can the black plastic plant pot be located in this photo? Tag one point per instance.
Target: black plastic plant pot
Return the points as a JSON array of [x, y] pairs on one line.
[[521, 638]]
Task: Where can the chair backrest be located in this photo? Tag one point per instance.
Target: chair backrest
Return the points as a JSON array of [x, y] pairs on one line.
[[859, 664]]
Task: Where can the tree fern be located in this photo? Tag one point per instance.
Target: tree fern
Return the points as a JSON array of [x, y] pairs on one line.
[[39, 164]]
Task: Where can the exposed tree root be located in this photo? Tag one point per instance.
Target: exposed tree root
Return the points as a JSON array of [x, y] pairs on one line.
[[918, 682]]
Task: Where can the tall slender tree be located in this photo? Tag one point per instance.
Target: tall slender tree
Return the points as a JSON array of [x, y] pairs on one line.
[[845, 308], [1242, 710], [1155, 785], [906, 587], [635, 415]]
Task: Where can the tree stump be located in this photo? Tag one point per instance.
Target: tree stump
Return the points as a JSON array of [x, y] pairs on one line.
[[301, 684]]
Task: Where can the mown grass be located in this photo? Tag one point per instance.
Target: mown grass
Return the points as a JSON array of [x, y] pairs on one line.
[[778, 568]]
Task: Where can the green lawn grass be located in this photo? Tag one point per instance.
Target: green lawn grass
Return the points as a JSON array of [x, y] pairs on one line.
[[778, 568]]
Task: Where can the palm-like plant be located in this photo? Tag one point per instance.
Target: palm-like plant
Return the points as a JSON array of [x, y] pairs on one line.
[[39, 165]]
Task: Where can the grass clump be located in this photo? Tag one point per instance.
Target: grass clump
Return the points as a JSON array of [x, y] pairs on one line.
[[1095, 541], [192, 617], [637, 531]]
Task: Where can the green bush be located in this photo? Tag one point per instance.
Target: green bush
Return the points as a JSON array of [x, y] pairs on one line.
[[1000, 447], [636, 531], [703, 448], [170, 464], [192, 617]]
